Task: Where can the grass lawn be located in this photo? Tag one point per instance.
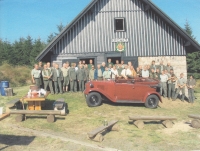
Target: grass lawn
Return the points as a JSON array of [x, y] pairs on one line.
[[82, 119]]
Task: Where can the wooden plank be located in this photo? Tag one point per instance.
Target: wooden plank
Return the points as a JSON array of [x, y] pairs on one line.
[[40, 112], [152, 118], [194, 116], [101, 128], [12, 103], [3, 116]]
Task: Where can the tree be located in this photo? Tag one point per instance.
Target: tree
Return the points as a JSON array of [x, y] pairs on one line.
[[188, 29], [53, 35], [193, 59]]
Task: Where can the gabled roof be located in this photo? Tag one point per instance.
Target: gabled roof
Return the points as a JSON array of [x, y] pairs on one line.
[[189, 39]]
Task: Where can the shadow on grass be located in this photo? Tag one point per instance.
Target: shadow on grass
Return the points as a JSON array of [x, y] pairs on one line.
[[11, 140]]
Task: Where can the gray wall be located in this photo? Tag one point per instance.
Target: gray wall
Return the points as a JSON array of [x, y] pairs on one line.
[[147, 33]]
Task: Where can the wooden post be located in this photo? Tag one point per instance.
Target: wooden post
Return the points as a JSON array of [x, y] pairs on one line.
[[195, 123], [139, 124], [50, 118], [98, 138], [19, 118], [167, 123]]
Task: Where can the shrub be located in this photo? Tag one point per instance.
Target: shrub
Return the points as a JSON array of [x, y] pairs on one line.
[[16, 75]]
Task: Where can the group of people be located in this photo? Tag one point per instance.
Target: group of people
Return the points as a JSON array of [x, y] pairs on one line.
[[73, 77]]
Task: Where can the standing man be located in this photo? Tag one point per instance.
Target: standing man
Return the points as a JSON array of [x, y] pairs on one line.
[[87, 72], [163, 84], [65, 71], [81, 78], [171, 84], [191, 83], [72, 78], [122, 64], [103, 66], [161, 66], [91, 73], [181, 87], [109, 62], [36, 74], [117, 64], [40, 67], [153, 66], [169, 67], [98, 73], [152, 73], [133, 72], [47, 75], [57, 78], [90, 64], [120, 70]]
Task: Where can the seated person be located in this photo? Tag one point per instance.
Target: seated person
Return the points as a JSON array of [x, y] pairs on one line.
[[126, 73]]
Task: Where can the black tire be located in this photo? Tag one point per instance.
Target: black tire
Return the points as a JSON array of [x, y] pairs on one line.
[[94, 99], [152, 102]]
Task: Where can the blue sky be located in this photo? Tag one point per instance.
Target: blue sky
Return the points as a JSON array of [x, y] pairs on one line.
[[38, 18]]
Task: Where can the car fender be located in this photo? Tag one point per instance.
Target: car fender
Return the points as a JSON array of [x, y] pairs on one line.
[[102, 93], [154, 93]]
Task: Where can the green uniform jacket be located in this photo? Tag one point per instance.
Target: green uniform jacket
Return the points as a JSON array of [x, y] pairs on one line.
[[72, 74], [55, 74], [81, 74], [87, 71]]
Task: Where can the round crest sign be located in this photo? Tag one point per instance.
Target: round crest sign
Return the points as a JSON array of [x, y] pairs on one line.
[[120, 46]]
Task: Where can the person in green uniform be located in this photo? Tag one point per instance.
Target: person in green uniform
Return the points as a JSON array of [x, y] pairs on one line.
[[120, 70], [36, 74], [72, 78], [57, 78], [47, 75], [90, 64], [81, 78], [91, 74], [109, 62], [152, 74], [87, 72]]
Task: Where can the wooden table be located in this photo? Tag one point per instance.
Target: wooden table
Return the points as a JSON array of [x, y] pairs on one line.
[[34, 102]]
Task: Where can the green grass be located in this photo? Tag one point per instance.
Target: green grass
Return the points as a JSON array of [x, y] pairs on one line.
[[82, 119]]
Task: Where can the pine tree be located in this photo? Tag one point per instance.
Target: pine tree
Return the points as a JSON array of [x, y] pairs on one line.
[[188, 29]]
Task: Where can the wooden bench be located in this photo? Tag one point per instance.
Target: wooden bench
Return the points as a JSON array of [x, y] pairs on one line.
[[21, 114], [139, 120], [96, 134], [13, 104], [196, 120], [60, 104]]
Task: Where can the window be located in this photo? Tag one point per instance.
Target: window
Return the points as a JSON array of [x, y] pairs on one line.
[[120, 24]]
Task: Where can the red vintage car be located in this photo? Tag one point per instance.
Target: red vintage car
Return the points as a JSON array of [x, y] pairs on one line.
[[138, 90]]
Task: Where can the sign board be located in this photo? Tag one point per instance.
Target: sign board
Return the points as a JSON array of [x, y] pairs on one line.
[[120, 40], [120, 46]]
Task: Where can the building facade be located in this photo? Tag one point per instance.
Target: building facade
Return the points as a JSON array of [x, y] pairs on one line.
[[129, 30]]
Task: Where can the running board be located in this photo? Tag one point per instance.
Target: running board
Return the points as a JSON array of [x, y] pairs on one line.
[[129, 101]]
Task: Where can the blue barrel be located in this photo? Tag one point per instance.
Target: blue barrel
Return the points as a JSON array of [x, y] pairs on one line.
[[4, 84], [0, 87]]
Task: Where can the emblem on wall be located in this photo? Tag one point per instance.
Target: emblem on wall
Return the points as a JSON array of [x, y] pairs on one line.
[[120, 46]]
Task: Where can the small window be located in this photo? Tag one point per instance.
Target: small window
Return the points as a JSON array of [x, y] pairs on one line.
[[120, 24]]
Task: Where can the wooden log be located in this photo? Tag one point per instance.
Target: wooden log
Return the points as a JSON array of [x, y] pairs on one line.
[[98, 138], [20, 118], [3, 116], [167, 124], [195, 123], [50, 118], [194, 116], [152, 118], [101, 128], [40, 112], [114, 128], [8, 91], [139, 124]]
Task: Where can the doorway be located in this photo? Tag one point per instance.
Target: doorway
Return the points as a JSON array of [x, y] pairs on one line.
[[113, 59]]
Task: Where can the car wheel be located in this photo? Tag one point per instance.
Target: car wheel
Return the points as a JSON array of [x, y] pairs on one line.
[[152, 101], [94, 99]]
